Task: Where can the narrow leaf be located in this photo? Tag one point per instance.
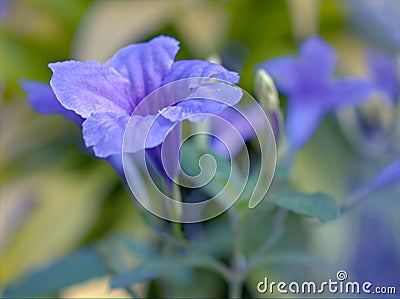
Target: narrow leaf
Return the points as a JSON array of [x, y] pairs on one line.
[[319, 205], [147, 271], [75, 268]]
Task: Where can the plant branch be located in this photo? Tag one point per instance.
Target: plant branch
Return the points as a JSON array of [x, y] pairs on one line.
[[238, 268], [277, 232]]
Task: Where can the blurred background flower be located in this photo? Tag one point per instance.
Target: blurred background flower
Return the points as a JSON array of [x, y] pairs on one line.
[[312, 92]]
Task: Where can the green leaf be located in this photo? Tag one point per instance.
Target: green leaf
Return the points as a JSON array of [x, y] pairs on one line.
[[120, 252], [77, 267], [318, 205], [147, 271]]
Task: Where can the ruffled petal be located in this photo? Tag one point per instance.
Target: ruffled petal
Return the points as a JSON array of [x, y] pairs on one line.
[[195, 110], [209, 98], [198, 68], [104, 132], [145, 64], [89, 87]]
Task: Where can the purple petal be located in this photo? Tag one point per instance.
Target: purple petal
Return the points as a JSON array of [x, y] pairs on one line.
[[41, 97], [197, 87], [149, 132], [170, 151], [43, 100], [104, 132], [285, 72], [145, 64], [89, 87], [190, 108], [116, 162], [302, 120], [209, 98], [318, 58], [314, 67], [218, 91], [165, 157], [350, 91], [243, 120], [198, 68], [5, 9], [146, 132], [384, 75]]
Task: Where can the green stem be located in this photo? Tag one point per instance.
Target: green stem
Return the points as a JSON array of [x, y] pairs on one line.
[[235, 289], [177, 230], [218, 267], [176, 213], [238, 261], [207, 261], [279, 224]]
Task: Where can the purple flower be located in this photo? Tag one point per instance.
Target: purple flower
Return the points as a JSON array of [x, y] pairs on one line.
[[5, 9], [43, 100], [104, 96], [245, 120], [375, 257], [310, 89], [384, 75], [383, 17]]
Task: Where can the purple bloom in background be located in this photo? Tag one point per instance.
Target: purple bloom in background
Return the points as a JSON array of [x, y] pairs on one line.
[[375, 254], [382, 26], [5, 8], [310, 89], [104, 96], [384, 74]]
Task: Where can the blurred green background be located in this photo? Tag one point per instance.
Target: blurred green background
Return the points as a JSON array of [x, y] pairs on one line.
[[56, 198]]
